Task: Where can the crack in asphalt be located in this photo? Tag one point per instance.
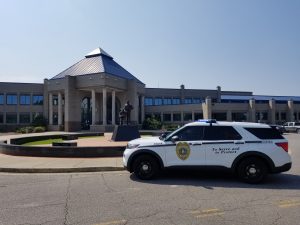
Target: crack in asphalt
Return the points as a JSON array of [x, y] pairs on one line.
[[67, 199]]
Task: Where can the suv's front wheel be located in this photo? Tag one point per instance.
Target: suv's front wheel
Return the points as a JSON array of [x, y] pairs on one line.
[[252, 170], [145, 167]]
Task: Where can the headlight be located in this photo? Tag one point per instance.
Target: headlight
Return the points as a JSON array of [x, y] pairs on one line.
[[131, 146]]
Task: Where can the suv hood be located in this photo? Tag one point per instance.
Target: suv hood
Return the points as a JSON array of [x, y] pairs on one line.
[[146, 141]]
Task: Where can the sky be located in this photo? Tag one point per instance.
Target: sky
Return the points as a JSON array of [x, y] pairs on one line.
[[239, 45]]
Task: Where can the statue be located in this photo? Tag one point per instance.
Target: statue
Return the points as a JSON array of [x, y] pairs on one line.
[[125, 112]]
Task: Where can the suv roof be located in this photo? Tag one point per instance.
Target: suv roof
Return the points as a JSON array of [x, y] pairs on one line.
[[226, 123]]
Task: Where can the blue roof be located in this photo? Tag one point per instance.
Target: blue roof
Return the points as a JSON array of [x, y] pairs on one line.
[[98, 61], [260, 97]]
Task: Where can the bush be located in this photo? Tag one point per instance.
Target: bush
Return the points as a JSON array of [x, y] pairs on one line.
[[25, 130], [151, 124], [171, 127], [39, 121], [39, 129]]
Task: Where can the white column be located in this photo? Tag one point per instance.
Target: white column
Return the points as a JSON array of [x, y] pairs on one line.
[[59, 109], [93, 107], [113, 108], [104, 106], [50, 109]]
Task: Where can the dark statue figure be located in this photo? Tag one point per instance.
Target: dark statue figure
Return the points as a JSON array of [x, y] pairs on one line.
[[125, 112], [127, 132]]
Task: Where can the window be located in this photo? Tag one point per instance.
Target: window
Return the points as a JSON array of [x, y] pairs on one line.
[[177, 117], [148, 115], [11, 99], [197, 100], [261, 116], [24, 99], [219, 116], [158, 101], [55, 100], [187, 101], [157, 116], [11, 118], [295, 117], [24, 118], [198, 116], [167, 117], [148, 101], [37, 100], [265, 133], [283, 116], [1, 99], [190, 133], [55, 118], [239, 116], [214, 133], [277, 116], [167, 101], [1, 118], [187, 116], [175, 101]]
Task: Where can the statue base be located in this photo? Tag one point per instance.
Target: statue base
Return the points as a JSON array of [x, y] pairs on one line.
[[125, 133]]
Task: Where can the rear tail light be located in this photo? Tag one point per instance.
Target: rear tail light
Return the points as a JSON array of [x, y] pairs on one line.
[[284, 145]]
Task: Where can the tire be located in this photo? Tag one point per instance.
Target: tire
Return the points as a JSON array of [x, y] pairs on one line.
[[145, 167], [252, 170]]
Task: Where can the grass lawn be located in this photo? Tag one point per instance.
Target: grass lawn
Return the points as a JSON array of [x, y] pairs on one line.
[[43, 142], [50, 141]]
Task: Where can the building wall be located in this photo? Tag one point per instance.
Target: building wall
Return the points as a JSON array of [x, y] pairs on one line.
[[19, 109]]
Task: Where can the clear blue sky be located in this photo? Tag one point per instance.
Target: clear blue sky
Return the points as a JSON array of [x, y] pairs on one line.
[[239, 45]]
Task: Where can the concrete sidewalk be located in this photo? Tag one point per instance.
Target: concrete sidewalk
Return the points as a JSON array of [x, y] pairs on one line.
[[20, 164]]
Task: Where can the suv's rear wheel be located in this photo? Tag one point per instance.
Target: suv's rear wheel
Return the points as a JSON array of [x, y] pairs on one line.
[[252, 170], [145, 167]]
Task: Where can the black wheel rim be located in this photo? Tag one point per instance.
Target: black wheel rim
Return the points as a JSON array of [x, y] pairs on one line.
[[252, 171], [145, 169]]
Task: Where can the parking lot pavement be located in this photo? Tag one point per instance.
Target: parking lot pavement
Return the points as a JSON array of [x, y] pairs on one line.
[[117, 198]]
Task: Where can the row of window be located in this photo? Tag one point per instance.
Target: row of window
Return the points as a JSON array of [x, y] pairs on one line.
[[171, 101], [24, 99], [12, 118], [235, 116], [256, 101]]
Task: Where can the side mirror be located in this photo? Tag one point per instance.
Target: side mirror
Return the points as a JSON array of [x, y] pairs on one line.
[[174, 139], [163, 136]]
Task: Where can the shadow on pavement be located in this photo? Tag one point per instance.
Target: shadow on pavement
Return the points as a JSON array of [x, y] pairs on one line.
[[211, 179]]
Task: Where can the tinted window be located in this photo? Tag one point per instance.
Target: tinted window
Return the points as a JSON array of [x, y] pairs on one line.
[[214, 133], [11, 99], [265, 133], [1, 118], [167, 116], [1, 99], [167, 101], [157, 101], [148, 101], [25, 99], [177, 117], [11, 118], [24, 118], [191, 133], [37, 100], [175, 101]]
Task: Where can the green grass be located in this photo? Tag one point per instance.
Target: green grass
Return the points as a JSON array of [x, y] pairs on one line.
[[43, 142], [50, 141]]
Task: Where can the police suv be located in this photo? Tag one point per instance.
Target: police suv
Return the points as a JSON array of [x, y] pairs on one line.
[[251, 150]]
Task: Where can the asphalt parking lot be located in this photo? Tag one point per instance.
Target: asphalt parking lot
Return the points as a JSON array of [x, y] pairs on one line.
[[117, 198]]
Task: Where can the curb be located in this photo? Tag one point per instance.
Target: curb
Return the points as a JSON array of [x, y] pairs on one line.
[[60, 170]]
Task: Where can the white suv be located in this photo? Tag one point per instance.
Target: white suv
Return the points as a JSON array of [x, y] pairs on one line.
[[251, 150]]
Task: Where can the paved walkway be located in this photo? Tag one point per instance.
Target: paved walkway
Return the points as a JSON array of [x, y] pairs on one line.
[[26, 164]]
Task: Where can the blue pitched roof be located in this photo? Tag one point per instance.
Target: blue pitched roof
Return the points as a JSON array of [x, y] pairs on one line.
[[260, 97], [98, 61]]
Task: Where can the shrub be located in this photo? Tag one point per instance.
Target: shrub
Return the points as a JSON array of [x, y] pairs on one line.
[[39, 121], [151, 124], [39, 129], [25, 130]]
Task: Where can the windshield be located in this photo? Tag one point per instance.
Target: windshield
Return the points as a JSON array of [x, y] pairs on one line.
[[171, 134]]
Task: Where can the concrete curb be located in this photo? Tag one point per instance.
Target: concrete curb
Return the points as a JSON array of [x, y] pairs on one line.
[[60, 170]]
